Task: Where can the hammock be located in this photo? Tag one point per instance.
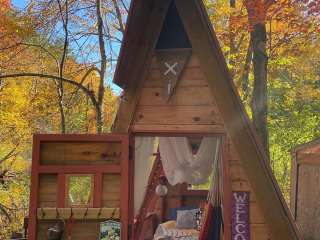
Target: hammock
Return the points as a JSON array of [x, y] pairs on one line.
[[213, 215], [213, 222], [181, 165]]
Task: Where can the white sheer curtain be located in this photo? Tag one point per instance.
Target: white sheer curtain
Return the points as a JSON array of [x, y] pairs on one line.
[[181, 165], [143, 162]]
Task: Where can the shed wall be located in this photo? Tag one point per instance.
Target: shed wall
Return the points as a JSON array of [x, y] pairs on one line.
[[305, 191]]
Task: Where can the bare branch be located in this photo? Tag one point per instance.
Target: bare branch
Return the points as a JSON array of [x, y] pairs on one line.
[[60, 89], [240, 42], [9, 47], [88, 34], [246, 71], [9, 155], [124, 6], [90, 70], [103, 65], [268, 3], [43, 48], [53, 77], [119, 16], [4, 210], [66, 37]]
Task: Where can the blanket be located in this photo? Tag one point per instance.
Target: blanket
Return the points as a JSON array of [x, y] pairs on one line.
[[168, 231]]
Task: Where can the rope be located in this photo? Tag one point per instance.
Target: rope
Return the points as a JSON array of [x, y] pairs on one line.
[[69, 226], [216, 186]]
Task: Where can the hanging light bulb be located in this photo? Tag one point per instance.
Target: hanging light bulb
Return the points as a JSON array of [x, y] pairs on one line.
[[162, 189]]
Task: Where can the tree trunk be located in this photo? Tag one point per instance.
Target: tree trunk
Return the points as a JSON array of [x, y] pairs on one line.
[[99, 107], [60, 89], [61, 111], [118, 14], [232, 41], [99, 119], [259, 103], [245, 73]]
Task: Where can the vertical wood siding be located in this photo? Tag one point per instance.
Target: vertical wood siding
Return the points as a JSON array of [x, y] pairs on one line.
[[192, 108]]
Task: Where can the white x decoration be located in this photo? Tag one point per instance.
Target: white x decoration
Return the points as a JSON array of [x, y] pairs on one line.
[[171, 68]]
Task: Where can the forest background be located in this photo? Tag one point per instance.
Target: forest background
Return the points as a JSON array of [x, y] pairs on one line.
[[57, 59]]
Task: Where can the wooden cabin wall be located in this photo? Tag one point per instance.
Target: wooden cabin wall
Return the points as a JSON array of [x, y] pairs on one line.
[[239, 182], [111, 190], [48, 190], [192, 108], [78, 153], [180, 196]]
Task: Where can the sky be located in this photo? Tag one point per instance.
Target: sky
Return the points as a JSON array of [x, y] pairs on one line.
[[19, 3]]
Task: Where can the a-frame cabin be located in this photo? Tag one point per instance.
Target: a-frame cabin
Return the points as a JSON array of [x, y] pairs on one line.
[[176, 83], [186, 126]]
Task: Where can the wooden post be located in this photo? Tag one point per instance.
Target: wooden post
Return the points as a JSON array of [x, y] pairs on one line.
[[32, 226], [124, 201], [61, 190]]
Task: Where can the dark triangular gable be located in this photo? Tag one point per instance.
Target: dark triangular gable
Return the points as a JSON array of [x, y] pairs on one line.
[[173, 34], [205, 45]]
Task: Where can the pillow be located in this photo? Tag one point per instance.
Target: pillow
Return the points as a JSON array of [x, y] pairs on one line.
[[169, 224], [173, 211], [199, 218], [187, 219]]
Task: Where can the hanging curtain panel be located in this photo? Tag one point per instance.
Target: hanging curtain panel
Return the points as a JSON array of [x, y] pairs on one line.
[[145, 147], [181, 165]]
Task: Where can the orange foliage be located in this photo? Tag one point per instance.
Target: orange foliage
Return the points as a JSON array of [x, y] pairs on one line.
[[312, 5], [4, 6], [5, 3], [257, 11]]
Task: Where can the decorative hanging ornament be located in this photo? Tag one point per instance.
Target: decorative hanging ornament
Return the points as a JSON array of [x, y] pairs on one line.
[[162, 189], [172, 63]]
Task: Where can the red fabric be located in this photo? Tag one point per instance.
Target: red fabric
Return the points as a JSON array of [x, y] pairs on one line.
[[69, 227], [206, 222]]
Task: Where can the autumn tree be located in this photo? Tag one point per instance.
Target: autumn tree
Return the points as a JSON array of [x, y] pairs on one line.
[[89, 33], [291, 40], [47, 73], [257, 13]]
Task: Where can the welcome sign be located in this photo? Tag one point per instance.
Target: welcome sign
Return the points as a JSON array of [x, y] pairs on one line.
[[240, 216]]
